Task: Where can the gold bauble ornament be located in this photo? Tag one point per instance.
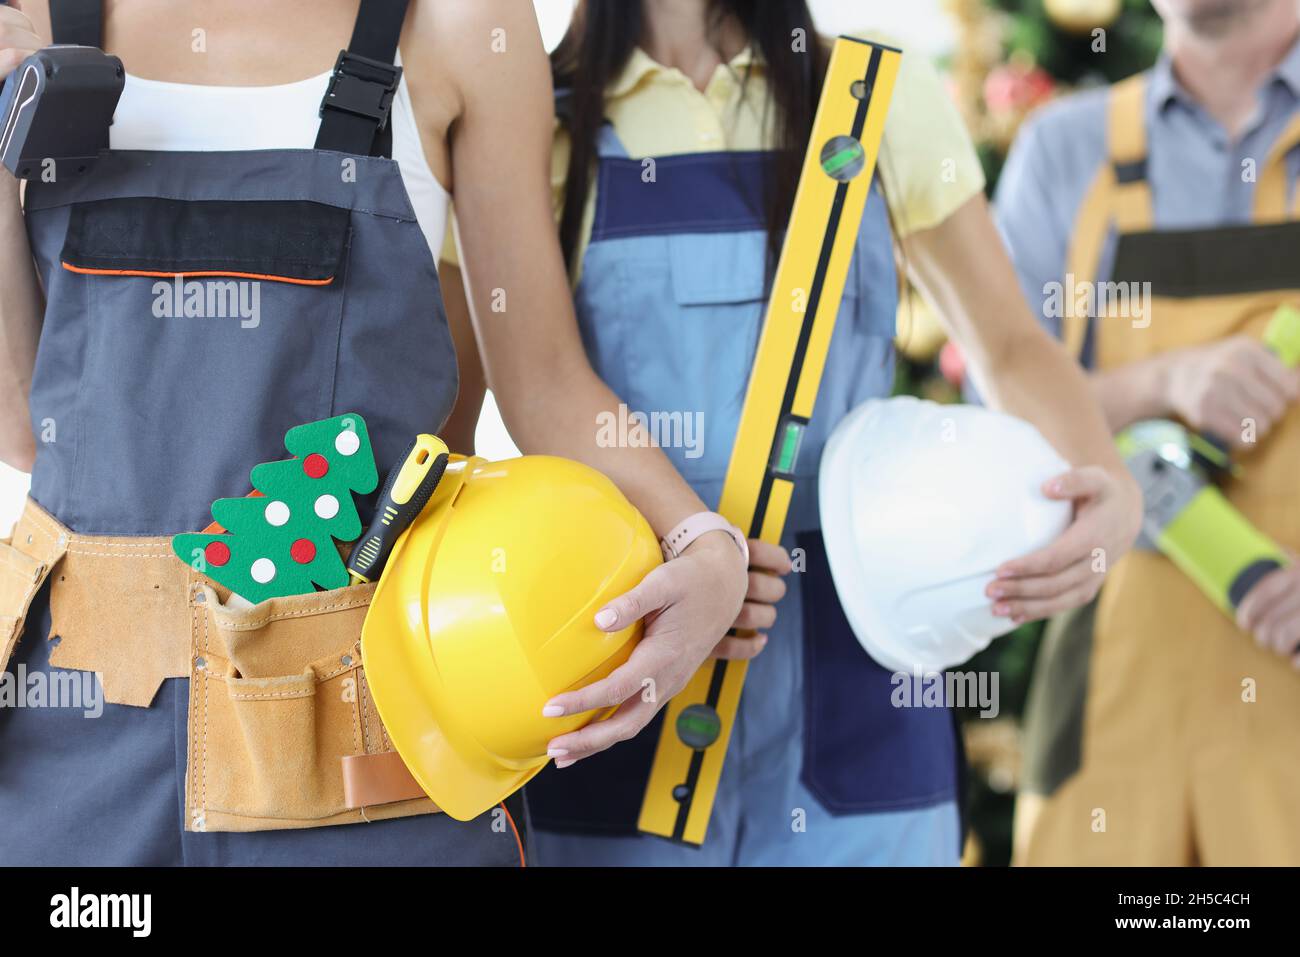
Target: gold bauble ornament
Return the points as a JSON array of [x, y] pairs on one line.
[[1080, 16]]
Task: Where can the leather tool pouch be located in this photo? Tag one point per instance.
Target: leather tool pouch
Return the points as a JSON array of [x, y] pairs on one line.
[[283, 732], [278, 698], [26, 558]]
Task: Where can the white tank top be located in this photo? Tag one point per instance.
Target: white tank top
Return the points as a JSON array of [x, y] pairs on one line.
[[156, 115]]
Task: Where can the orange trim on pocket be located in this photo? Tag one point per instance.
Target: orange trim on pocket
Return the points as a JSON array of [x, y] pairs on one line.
[[172, 275]]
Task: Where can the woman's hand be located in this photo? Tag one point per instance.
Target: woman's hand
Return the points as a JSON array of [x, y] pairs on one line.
[[687, 605], [18, 39], [768, 563], [1069, 572]]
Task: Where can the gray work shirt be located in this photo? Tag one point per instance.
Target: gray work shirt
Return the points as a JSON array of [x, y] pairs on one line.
[[1199, 176]]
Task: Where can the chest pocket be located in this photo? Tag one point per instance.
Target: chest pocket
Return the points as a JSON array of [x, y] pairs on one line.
[[295, 242], [203, 320], [673, 323]]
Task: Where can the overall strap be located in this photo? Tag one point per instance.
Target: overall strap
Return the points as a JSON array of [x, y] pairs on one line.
[[1274, 183], [608, 144], [1118, 197], [1126, 132], [79, 22], [354, 112]]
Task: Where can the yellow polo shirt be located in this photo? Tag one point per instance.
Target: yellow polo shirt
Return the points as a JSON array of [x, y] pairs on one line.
[[928, 164]]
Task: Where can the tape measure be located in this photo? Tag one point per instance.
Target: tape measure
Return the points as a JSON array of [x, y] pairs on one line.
[[783, 384]]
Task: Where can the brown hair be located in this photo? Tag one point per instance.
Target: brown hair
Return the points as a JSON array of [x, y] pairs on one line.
[[602, 37]]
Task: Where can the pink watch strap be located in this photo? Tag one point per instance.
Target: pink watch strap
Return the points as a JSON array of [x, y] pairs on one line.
[[680, 538]]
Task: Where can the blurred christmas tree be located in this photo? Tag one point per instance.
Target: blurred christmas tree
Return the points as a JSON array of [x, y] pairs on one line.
[[1012, 57], [1015, 55]]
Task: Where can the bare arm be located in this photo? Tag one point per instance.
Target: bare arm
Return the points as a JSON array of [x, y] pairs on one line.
[[1132, 392], [21, 301], [518, 291], [519, 301], [1216, 387], [963, 269]]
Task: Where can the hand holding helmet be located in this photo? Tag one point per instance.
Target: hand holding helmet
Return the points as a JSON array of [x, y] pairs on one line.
[[921, 505], [687, 604], [1069, 572]]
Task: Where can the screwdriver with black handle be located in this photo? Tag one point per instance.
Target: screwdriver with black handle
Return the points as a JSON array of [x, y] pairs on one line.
[[406, 492]]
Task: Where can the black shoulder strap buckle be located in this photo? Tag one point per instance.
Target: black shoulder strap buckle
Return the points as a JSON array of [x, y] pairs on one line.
[[362, 87]]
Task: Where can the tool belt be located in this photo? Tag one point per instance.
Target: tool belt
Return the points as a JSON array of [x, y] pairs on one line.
[[283, 731]]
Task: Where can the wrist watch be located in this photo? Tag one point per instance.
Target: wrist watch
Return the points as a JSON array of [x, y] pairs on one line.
[[691, 528]]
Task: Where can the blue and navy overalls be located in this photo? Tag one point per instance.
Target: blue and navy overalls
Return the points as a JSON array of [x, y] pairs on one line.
[[821, 769], [157, 417]]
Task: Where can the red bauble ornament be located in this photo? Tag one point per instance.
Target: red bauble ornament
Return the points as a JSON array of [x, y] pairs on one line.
[[315, 465], [302, 551]]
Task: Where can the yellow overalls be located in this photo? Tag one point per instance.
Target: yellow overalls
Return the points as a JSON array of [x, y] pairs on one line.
[[1191, 733]]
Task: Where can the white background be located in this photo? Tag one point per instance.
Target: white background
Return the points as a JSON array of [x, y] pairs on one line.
[[919, 25]]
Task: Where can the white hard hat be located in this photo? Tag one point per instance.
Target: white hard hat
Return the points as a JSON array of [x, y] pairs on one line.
[[920, 503]]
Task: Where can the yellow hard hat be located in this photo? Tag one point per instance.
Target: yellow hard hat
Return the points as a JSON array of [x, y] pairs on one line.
[[485, 612]]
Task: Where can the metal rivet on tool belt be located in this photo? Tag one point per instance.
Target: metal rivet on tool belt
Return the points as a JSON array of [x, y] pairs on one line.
[[29, 539], [200, 664], [200, 598], [347, 660]]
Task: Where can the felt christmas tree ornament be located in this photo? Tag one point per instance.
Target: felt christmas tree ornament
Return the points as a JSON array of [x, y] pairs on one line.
[[281, 541]]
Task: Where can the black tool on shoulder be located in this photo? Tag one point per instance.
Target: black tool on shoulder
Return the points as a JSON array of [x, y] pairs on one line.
[[56, 108]]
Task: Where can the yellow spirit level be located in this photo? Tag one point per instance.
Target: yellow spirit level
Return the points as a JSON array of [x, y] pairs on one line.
[[783, 384]]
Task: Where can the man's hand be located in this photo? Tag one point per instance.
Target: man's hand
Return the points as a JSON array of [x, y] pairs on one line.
[[1271, 612], [1215, 388]]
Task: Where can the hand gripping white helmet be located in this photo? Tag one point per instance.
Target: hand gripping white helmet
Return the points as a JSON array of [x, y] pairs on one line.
[[920, 503]]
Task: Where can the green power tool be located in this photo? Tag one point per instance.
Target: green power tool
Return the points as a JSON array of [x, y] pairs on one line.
[[1186, 517]]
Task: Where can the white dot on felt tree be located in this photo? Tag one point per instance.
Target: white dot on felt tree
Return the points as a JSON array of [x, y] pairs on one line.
[[263, 570], [277, 514], [347, 442], [327, 506]]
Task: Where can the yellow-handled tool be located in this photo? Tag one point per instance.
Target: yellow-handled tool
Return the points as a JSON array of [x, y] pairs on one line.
[[806, 293], [405, 494], [1185, 515]]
